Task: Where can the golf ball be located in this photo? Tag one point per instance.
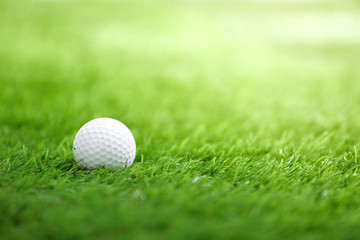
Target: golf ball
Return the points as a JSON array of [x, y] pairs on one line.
[[104, 142]]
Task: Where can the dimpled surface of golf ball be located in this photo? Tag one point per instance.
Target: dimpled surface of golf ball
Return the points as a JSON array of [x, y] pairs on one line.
[[104, 142]]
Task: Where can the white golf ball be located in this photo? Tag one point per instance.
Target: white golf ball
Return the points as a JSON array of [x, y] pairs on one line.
[[104, 142]]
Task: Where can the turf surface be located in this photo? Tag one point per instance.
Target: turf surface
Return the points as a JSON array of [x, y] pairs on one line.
[[246, 117]]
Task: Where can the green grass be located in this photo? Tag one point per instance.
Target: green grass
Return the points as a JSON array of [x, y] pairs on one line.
[[245, 114]]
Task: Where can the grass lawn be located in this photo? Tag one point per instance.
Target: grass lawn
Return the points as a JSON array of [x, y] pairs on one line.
[[246, 116]]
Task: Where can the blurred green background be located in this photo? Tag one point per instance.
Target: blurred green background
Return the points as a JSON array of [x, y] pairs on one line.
[[245, 114]]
